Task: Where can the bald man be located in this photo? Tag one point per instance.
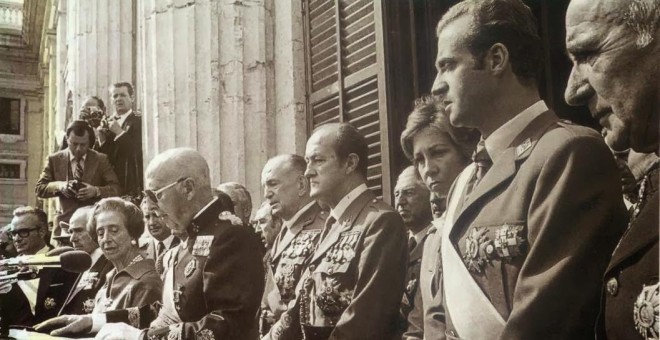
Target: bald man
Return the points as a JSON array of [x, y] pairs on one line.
[[286, 190], [80, 299], [354, 280], [213, 282]]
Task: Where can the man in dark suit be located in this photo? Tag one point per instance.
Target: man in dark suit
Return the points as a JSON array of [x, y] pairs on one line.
[[614, 46], [354, 280], [80, 299], [412, 202], [532, 222], [286, 190], [213, 282], [126, 125], [161, 239], [32, 301], [78, 176]]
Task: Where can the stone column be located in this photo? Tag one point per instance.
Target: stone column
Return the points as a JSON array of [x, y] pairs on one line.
[[210, 81], [100, 50]]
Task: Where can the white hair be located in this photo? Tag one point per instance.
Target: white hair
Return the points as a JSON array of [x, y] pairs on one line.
[[643, 17]]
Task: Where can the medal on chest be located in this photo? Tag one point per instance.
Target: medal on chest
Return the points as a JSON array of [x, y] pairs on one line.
[[177, 294], [190, 268], [202, 246]]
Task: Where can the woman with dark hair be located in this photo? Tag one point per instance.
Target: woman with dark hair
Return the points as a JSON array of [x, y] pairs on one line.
[[116, 225], [439, 152]]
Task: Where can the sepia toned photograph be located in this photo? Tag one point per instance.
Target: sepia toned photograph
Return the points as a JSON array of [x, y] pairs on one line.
[[329, 169]]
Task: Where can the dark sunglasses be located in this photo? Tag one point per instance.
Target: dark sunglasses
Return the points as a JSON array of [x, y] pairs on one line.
[[23, 233], [156, 195]]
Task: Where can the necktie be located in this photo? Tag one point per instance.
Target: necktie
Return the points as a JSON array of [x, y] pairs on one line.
[[482, 162], [412, 243], [79, 169], [326, 228], [161, 249]]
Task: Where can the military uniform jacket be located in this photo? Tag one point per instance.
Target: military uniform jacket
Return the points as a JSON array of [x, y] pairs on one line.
[[127, 156], [83, 292], [54, 285], [136, 285], [353, 286], [630, 287], [426, 315], [537, 231], [217, 286], [289, 253]]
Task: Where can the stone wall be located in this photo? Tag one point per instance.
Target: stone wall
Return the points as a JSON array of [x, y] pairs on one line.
[[225, 78]]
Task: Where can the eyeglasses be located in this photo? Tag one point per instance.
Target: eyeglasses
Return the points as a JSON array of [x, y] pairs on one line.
[[155, 195], [155, 215], [23, 233]]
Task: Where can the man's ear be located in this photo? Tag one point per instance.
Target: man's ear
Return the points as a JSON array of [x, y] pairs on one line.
[[189, 188], [497, 59], [352, 162]]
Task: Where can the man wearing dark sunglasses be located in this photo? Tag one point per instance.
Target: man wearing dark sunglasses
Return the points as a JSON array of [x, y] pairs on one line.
[[31, 301], [213, 281]]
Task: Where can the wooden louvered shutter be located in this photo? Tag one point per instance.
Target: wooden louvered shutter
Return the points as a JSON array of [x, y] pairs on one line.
[[345, 72]]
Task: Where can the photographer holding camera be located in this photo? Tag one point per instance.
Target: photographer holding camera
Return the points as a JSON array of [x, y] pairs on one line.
[[77, 175], [93, 112]]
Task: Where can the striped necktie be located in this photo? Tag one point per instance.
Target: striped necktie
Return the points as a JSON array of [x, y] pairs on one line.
[[79, 169]]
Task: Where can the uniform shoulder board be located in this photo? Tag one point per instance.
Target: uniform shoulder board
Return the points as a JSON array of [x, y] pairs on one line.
[[137, 113], [566, 121]]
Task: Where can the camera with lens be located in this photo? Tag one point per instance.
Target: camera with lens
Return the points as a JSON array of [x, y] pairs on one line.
[[94, 116], [76, 185]]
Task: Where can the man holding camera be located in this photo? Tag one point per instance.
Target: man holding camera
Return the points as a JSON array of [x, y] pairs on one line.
[[77, 175]]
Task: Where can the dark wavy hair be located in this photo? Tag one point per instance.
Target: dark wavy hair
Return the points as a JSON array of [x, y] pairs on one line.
[[509, 22], [78, 127]]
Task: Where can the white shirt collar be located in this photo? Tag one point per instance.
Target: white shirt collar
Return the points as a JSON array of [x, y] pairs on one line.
[[30, 287], [96, 255], [122, 118], [167, 242], [501, 139], [292, 221], [420, 234], [72, 158], [339, 209]]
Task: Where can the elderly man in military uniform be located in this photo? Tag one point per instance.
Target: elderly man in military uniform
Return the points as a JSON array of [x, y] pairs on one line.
[[286, 190], [532, 221], [411, 200], [614, 46], [352, 286], [80, 299], [213, 281]]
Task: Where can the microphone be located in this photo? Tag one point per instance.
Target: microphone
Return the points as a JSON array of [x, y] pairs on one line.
[[59, 251], [75, 261], [19, 276]]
